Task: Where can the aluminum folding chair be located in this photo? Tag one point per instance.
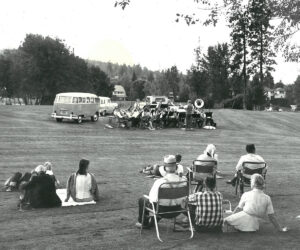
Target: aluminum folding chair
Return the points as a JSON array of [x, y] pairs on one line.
[[244, 176], [199, 171], [169, 191]]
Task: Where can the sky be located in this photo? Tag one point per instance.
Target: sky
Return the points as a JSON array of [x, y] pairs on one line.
[[144, 33]]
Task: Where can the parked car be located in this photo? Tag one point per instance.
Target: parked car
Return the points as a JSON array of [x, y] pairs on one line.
[[106, 106]]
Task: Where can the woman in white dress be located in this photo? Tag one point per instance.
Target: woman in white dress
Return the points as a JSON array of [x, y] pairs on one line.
[[253, 206], [82, 185]]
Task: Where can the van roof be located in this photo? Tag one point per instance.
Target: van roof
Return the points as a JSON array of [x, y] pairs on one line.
[[104, 97], [77, 94]]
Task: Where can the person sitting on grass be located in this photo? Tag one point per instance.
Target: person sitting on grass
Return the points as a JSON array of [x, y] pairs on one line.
[[206, 208], [174, 205], [23, 198], [82, 185], [251, 156], [254, 205], [49, 171], [40, 190]]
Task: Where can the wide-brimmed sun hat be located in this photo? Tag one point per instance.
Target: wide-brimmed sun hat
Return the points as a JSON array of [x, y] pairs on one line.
[[170, 159]]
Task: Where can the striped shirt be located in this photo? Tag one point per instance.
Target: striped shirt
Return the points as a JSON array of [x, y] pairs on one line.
[[209, 212]]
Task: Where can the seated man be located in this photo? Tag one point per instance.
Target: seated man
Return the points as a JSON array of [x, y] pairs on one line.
[[249, 157], [159, 171], [40, 190], [171, 205], [206, 208], [179, 168]]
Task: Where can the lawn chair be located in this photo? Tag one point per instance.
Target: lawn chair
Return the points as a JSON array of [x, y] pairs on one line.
[[169, 191], [200, 170], [244, 176]]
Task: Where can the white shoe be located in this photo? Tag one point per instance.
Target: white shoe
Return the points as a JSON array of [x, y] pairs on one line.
[[138, 225]]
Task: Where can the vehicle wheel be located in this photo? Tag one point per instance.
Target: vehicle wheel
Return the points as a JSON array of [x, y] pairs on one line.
[[94, 118], [59, 119], [79, 120]]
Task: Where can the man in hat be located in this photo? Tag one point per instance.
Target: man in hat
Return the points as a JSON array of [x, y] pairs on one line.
[[171, 205]]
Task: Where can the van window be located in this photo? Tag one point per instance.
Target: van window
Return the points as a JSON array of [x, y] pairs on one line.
[[83, 99], [79, 99], [97, 100], [92, 100], [75, 100], [108, 101], [65, 99], [87, 100]]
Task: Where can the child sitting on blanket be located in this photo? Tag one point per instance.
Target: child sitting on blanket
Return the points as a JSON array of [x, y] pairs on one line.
[[49, 171]]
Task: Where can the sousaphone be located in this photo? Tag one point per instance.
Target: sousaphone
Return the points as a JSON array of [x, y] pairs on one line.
[[199, 103]]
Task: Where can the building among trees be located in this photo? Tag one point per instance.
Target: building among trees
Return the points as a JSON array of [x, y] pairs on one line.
[[119, 93]]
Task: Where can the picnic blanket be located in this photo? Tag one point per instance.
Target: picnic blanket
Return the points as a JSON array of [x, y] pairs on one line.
[[62, 194]]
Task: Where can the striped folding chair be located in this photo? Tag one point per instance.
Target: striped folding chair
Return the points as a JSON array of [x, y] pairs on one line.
[[199, 171], [167, 192], [244, 176]]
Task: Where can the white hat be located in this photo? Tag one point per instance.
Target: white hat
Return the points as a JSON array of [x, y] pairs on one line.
[[170, 159]]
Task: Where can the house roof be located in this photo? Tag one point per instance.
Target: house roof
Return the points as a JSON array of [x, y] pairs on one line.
[[119, 88]]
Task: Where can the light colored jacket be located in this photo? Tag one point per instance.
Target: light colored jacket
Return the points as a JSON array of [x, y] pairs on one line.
[[71, 187]]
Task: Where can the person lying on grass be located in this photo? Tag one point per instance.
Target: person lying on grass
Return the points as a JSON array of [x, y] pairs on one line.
[[82, 185], [12, 183], [253, 206], [157, 170], [171, 205]]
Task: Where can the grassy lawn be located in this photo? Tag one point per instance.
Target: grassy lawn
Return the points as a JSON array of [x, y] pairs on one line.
[[29, 137]]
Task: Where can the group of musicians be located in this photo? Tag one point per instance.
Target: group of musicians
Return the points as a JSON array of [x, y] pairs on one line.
[[158, 116]]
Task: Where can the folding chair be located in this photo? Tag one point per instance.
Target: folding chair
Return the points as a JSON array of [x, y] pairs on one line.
[[199, 171], [244, 176], [169, 191]]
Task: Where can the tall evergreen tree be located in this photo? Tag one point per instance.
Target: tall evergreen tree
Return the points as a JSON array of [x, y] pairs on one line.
[[261, 37]]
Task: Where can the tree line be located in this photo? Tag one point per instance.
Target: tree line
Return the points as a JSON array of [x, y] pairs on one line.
[[42, 67]]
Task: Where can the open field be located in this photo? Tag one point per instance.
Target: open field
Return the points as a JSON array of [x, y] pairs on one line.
[[29, 137]]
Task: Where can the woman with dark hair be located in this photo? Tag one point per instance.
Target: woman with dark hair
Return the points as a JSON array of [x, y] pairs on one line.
[[82, 185]]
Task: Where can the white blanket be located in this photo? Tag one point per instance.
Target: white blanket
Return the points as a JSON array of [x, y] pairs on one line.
[[62, 194]]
